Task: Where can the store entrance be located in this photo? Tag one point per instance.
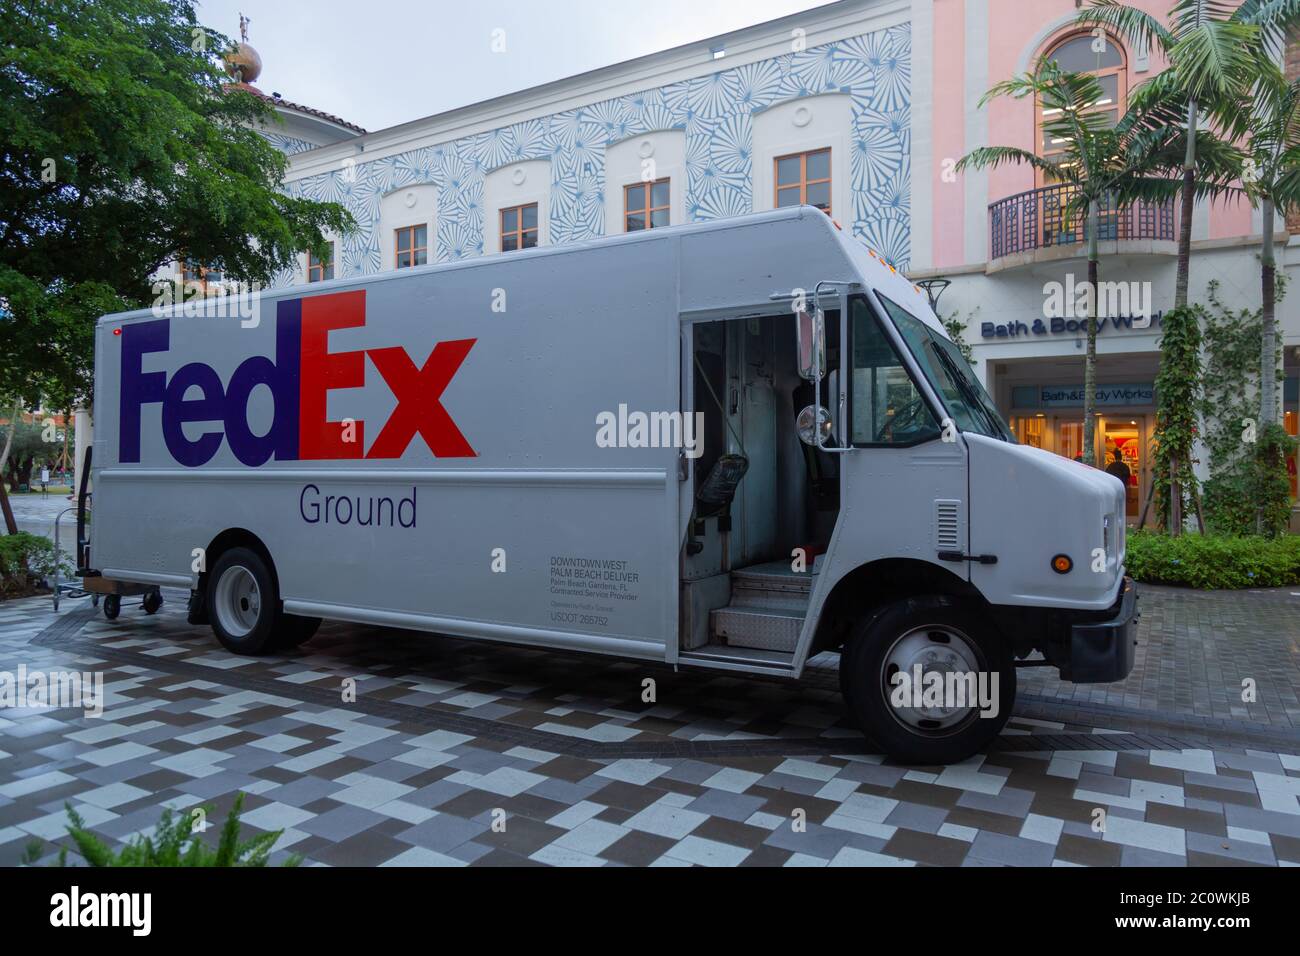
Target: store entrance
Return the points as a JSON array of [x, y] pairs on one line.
[[1060, 434], [1124, 457], [1126, 434]]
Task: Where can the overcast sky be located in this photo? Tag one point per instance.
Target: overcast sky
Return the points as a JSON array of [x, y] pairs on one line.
[[378, 63]]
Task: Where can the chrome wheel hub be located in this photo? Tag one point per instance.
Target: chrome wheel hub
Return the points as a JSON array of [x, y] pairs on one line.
[[949, 655], [238, 601]]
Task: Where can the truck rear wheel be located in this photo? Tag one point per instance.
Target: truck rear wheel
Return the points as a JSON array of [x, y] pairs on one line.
[[243, 605], [928, 680]]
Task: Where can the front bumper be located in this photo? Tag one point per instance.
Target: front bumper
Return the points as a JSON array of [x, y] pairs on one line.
[[1102, 651]]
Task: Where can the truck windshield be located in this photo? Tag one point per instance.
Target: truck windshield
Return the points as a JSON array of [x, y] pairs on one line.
[[950, 374]]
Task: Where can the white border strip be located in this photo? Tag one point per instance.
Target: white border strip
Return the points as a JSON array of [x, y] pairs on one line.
[[648, 478]]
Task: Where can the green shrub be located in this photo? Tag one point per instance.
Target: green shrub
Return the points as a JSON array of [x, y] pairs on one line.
[[26, 559], [173, 844], [1214, 561]]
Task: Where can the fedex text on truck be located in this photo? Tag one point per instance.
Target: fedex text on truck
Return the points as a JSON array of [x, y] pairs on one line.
[[300, 377]]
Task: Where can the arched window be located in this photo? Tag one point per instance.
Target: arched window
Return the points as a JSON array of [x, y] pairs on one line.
[[1104, 59]]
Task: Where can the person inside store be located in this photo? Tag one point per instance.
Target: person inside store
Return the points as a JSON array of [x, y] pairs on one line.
[[1118, 468]]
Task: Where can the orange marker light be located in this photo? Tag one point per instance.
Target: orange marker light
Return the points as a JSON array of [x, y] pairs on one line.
[[1062, 564]]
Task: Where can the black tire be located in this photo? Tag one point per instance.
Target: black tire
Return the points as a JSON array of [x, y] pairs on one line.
[[152, 602], [243, 603], [112, 606], [295, 631], [958, 635], [846, 659]]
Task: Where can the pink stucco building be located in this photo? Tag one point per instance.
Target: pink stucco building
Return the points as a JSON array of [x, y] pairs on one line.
[[1013, 260]]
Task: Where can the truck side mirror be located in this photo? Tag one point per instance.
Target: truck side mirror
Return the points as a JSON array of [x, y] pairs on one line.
[[815, 426], [810, 328]]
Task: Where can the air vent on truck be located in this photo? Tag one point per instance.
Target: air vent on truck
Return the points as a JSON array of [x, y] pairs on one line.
[[947, 525]]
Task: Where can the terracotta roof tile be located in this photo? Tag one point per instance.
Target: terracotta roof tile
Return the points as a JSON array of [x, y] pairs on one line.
[[297, 107]]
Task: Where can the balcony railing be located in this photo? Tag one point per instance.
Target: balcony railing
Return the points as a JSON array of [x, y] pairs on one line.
[[1038, 219]]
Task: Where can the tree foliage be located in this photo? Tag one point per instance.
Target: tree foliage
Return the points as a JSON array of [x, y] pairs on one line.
[[1106, 167], [956, 328], [28, 449], [1271, 175], [123, 148], [1135, 159], [1215, 50]]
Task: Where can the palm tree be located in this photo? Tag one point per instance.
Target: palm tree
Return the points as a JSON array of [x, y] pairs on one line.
[[1210, 45], [1271, 177], [1105, 167]]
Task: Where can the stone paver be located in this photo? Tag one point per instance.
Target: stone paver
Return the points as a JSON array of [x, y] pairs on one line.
[[1195, 651], [569, 767]]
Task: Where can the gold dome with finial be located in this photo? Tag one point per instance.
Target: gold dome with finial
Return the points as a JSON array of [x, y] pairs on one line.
[[243, 62]]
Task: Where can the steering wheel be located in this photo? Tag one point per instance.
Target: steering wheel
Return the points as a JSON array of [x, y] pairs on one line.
[[903, 420]]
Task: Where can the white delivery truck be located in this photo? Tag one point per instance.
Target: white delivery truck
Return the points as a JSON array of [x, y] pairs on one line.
[[728, 445]]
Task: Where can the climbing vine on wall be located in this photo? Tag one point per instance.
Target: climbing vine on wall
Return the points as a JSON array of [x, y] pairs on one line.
[[1231, 396], [1178, 401], [1248, 490]]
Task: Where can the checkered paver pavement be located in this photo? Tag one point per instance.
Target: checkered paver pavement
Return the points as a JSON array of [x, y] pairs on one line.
[[376, 747]]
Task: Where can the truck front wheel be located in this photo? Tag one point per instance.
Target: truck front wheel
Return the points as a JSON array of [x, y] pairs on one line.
[[242, 602], [928, 680]]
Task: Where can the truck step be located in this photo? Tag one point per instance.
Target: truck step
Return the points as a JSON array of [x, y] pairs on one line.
[[772, 586], [773, 576], [757, 598], [747, 659], [764, 628]]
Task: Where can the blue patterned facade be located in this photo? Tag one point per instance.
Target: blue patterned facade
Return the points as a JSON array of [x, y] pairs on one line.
[[289, 145], [715, 112]]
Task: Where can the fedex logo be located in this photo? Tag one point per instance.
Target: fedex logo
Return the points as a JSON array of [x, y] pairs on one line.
[[300, 378]]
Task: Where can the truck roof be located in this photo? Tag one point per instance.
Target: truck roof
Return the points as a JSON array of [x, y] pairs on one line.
[[724, 265]]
